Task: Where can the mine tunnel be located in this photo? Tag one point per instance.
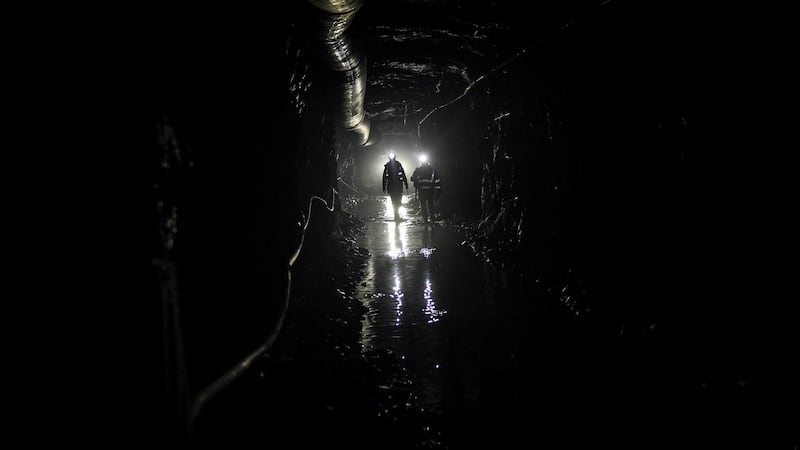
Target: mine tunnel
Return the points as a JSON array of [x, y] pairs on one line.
[[598, 266]]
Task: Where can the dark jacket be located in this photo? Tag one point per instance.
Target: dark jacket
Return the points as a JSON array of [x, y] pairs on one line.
[[394, 177], [426, 179]]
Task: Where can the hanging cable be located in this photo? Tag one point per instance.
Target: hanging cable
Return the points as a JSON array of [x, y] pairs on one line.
[[237, 370]]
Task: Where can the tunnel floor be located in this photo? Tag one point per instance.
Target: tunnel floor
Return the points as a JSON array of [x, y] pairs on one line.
[[456, 326], [445, 351]]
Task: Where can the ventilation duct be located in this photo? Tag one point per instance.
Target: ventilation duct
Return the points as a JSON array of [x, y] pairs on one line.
[[348, 62]]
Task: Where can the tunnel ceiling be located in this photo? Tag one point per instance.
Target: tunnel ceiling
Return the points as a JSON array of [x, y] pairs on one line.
[[422, 54]]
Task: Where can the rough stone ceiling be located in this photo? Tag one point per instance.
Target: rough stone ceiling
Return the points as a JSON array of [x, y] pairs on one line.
[[422, 54]]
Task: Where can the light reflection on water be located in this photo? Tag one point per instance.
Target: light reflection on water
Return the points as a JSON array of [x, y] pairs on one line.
[[403, 293], [446, 317], [398, 289], [398, 295], [430, 306], [397, 234]]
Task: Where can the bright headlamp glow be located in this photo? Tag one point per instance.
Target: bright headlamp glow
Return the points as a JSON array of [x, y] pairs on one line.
[[391, 155], [423, 158]]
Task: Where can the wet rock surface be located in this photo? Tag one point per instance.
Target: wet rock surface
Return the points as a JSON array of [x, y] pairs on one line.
[[393, 346]]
